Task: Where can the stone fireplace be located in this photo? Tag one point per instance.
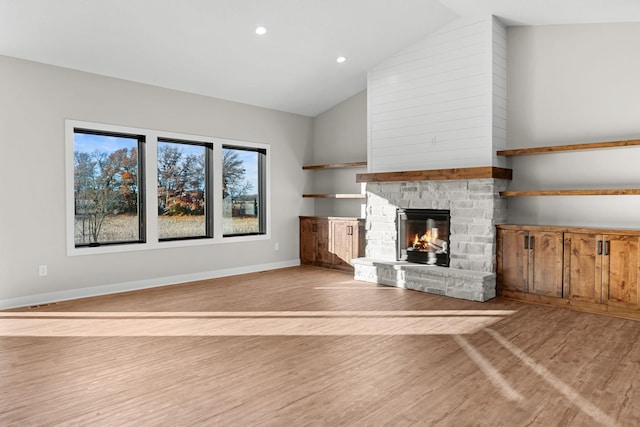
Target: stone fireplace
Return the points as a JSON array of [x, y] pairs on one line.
[[475, 208], [440, 103]]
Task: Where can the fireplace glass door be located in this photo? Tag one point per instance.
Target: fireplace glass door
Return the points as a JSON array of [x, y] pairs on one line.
[[423, 236]]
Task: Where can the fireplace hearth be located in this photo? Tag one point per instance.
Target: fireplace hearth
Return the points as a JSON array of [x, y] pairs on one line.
[[423, 236]]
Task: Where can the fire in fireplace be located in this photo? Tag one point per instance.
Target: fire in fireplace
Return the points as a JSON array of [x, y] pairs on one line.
[[423, 236]]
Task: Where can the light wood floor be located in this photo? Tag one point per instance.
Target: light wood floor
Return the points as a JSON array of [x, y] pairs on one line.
[[308, 346]]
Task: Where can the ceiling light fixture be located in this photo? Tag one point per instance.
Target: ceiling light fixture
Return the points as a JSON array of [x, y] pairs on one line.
[[261, 31], [341, 59]]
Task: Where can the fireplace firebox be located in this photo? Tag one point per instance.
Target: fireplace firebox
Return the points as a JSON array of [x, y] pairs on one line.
[[423, 236]]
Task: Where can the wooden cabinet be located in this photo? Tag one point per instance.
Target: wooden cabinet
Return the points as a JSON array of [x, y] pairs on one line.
[[512, 260], [583, 275], [600, 267], [596, 270], [347, 241], [314, 241], [331, 241], [530, 260], [622, 268], [603, 268]]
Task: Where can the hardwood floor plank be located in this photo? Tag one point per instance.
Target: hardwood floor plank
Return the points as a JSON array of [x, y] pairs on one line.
[[311, 346]]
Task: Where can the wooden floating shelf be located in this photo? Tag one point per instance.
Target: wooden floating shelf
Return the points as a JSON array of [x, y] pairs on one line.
[[610, 192], [573, 147], [335, 196], [337, 166], [436, 174]]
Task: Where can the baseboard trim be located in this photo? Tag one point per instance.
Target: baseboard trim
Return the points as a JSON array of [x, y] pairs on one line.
[[71, 294]]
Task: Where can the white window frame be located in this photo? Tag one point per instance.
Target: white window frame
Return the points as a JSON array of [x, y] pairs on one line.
[[151, 190]]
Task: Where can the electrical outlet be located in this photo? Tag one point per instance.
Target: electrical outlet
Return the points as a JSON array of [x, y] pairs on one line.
[[42, 270], [276, 246]]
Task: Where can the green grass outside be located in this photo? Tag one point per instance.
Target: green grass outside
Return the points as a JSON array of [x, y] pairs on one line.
[[125, 227]]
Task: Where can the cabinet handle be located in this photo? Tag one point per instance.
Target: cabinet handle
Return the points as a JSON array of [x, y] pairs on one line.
[[526, 242], [531, 242], [606, 247], [349, 230], [314, 227], [599, 247]]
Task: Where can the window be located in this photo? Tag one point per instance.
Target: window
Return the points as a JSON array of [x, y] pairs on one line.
[[184, 183], [134, 189], [243, 190], [107, 175]]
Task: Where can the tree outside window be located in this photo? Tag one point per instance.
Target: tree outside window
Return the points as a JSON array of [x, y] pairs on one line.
[[107, 188], [243, 190], [183, 182]]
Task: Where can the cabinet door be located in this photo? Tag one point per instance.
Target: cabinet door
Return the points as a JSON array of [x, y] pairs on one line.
[[512, 260], [307, 240], [584, 264], [621, 270], [545, 263], [323, 252], [342, 233]]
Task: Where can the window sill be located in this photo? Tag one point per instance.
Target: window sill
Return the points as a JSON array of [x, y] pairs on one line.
[[134, 247]]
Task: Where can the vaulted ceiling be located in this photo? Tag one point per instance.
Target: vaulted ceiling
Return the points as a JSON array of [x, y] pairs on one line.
[[210, 47]]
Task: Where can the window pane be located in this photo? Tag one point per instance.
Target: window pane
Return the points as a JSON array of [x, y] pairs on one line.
[[106, 188], [242, 191], [182, 190]]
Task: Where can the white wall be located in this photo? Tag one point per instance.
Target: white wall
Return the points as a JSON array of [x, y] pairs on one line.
[[431, 105], [37, 98], [572, 84], [340, 135]]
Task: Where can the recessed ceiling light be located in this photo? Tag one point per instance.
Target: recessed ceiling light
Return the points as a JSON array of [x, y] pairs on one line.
[[341, 59], [261, 31]]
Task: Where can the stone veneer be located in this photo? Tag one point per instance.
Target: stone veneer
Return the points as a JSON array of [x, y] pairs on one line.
[[476, 208]]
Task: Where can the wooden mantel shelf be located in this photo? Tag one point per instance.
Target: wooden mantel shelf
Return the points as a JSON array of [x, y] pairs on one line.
[[606, 192], [574, 147], [436, 174]]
